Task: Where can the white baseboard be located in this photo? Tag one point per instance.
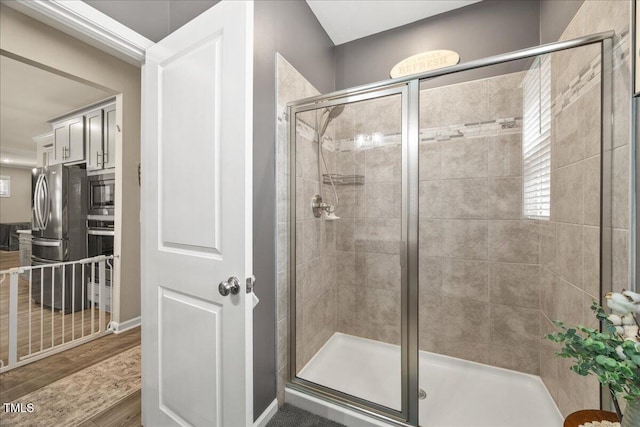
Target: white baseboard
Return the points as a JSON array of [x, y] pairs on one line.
[[118, 328], [266, 416]]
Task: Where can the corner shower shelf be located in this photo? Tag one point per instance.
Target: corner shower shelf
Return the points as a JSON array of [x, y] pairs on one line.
[[343, 179]]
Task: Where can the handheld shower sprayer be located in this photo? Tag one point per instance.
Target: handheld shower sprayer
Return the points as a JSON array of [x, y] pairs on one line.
[[333, 113]]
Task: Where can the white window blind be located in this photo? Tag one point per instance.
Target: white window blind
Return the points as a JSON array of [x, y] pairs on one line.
[[5, 186], [536, 139]]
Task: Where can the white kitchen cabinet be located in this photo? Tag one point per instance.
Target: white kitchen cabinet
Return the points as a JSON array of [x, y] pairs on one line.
[[44, 149], [109, 141], [93, 138], [47, 156], [68, 141], [100, 131]]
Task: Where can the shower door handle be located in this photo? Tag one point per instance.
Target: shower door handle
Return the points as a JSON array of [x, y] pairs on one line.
[[231, 286]]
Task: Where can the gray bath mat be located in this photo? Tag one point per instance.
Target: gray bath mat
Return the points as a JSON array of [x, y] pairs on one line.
[[290, 416]]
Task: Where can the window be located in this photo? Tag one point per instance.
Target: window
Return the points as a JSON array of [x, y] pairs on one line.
[[5, 186], [536, 139]]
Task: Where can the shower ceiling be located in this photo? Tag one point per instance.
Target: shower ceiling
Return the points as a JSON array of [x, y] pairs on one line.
[[375, 16]]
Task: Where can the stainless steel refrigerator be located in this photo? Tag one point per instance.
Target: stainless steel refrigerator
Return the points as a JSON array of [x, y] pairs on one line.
[[59, 206]]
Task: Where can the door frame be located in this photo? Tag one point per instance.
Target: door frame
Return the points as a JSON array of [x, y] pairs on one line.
[[88, 24], [93, 27], [84, 23]]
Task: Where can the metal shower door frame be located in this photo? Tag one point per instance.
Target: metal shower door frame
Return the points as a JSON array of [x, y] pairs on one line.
[[407, 382], [410, 89]]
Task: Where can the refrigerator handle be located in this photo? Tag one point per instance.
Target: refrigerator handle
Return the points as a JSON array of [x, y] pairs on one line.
[[36, 203], [40, 202], [47, 204]]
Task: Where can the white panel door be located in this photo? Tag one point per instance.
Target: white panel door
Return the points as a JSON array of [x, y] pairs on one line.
[[196, 222]]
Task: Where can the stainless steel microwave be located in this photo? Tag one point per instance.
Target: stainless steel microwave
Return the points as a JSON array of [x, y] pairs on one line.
[[102, 194]]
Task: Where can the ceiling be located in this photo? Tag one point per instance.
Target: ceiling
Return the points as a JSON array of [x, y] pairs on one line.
[[343, 20], [29, 96], [348, 20]]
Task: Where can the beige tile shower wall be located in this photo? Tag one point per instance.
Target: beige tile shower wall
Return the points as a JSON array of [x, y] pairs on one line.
[[569, 251], [479, 276], [368, 233], [316, 285]]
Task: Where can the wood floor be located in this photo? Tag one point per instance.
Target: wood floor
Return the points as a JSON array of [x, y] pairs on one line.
[[26, 379], [56, 327], [125, 413], [23, 380]]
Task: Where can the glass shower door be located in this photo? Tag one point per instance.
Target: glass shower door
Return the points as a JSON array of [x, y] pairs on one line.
[[509, 228], [439, 226], [348, 238]]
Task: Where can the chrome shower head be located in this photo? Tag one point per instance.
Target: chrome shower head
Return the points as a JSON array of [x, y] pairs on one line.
[[333, 112]]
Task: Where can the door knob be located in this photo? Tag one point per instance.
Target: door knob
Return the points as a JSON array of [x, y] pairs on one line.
[[231, 286]]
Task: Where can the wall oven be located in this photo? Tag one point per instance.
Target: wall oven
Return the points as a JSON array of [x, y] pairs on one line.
[[100, 240], [100, 235], [102, 194]]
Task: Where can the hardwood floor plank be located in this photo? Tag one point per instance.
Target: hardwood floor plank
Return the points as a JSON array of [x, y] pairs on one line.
[[9, 259], [127, 412], [26, 379], [15, 377], [23, 380]]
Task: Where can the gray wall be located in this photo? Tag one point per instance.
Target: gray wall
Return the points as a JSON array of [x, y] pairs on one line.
[[290, 28], [555, 15], [154, 19], [476, 31]]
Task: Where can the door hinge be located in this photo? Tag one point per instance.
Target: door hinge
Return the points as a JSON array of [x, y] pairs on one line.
[[251, 282]]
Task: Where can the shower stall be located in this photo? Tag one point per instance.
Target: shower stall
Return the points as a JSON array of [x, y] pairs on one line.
[[438, 223]]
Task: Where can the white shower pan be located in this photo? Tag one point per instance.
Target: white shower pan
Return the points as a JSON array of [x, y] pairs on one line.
[[459, 393]]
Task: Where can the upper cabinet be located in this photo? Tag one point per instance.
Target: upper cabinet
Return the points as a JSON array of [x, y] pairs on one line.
[[93, 137], [86, 136], [44, 149], [100, 128], [109, 142], [68, 141]]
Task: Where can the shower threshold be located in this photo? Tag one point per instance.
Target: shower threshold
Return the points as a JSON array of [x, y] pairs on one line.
[[459, 393]]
